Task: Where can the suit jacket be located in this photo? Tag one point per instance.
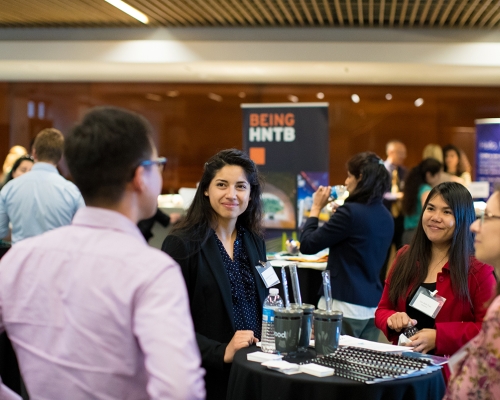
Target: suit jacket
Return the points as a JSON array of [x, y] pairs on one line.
[[457, 322], [358, 236], [210, 300]]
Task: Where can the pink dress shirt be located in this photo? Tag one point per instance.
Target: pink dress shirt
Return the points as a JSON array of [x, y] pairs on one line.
[[7, 394], [94, 312]]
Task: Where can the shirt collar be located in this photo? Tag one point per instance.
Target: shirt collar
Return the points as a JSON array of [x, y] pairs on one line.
[[102, 218], [43, 166]]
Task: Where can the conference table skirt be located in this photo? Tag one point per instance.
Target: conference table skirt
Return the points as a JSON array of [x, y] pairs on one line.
[[251, 381]]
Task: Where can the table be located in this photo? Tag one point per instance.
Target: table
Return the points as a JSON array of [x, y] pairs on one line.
[[251, 381]]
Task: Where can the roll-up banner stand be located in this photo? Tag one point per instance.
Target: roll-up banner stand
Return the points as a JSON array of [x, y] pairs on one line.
[[488, 152], [289, 142]]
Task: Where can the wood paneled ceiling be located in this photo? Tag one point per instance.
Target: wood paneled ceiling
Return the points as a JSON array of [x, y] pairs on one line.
[[483, 14]]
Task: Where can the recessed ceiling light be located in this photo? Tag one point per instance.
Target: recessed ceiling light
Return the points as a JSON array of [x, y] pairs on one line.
[[320, 95], [419, 102], [355, 98], [215, 97], [388, 96], [292, 98], [127, 9], [154, 97]]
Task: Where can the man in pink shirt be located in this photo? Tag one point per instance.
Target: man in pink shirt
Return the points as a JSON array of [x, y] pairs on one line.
[[92, 311]]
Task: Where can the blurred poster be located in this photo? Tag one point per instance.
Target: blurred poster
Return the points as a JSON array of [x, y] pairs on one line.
[[285, 140], [488, 151], [307, 184]]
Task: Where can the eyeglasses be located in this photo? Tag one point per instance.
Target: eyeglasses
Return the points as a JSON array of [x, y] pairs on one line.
[[160, 162], [486, 216]]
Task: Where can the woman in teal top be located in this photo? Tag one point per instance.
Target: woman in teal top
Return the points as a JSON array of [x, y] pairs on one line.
[[418, 184]]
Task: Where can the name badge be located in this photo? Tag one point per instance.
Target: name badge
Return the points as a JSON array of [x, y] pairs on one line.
[[267, 273], [427, 302]]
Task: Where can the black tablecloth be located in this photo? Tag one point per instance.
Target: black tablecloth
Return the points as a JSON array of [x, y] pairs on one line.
[[251, 381]]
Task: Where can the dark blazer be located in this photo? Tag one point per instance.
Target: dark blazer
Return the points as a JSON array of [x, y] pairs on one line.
[[210, 300], [358, 236]]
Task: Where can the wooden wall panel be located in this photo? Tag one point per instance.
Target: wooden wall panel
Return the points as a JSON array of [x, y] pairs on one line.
[[194, 121], [4, 122]]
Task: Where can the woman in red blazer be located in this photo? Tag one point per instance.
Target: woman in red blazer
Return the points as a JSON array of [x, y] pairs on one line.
[[438, 258]]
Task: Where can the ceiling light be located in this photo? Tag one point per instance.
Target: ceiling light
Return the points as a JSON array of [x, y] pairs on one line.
[[355, 98], [154, 97], [388, 96], [320, 95], [292, 98], [133, 12], [215, 97], [419, 102]]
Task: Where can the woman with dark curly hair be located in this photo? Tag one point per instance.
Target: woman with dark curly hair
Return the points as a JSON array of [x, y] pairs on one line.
[[439, 260], [358, 235], [218, 244]]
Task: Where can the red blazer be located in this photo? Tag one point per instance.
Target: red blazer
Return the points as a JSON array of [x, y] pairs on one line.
[[457, 322]]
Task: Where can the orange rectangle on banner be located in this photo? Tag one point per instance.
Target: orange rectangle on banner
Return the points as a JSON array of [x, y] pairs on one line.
[[258, 155]]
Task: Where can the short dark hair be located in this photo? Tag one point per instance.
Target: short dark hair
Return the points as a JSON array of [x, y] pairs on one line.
[[49, 145], [200, 216], [411, 268], [103, 150], [375, 180]]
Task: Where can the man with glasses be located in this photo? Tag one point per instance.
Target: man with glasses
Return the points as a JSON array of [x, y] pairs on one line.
[[146, 225], [91, 309]]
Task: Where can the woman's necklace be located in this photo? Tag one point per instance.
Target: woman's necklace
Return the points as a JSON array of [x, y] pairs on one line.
[[435, 267]]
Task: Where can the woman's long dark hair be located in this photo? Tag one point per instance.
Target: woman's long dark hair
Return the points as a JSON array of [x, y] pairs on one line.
[[16, 165], [201, 217], [414, 180], [375, 179], [461, 168], [411, 268]]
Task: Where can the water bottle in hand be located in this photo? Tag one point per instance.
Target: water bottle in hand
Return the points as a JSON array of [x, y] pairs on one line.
[[272, 302], [337, 191]]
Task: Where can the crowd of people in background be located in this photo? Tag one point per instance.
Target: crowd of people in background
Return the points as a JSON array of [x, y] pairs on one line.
[[92, 311]]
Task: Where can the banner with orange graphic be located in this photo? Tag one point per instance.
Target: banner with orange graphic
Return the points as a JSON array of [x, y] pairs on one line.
[[290, 144]]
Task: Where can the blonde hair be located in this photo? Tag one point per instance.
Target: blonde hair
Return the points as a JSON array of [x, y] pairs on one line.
[[14, 153], [433, 150]]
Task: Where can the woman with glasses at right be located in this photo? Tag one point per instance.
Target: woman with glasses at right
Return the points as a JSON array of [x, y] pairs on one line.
[[477, 372]]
